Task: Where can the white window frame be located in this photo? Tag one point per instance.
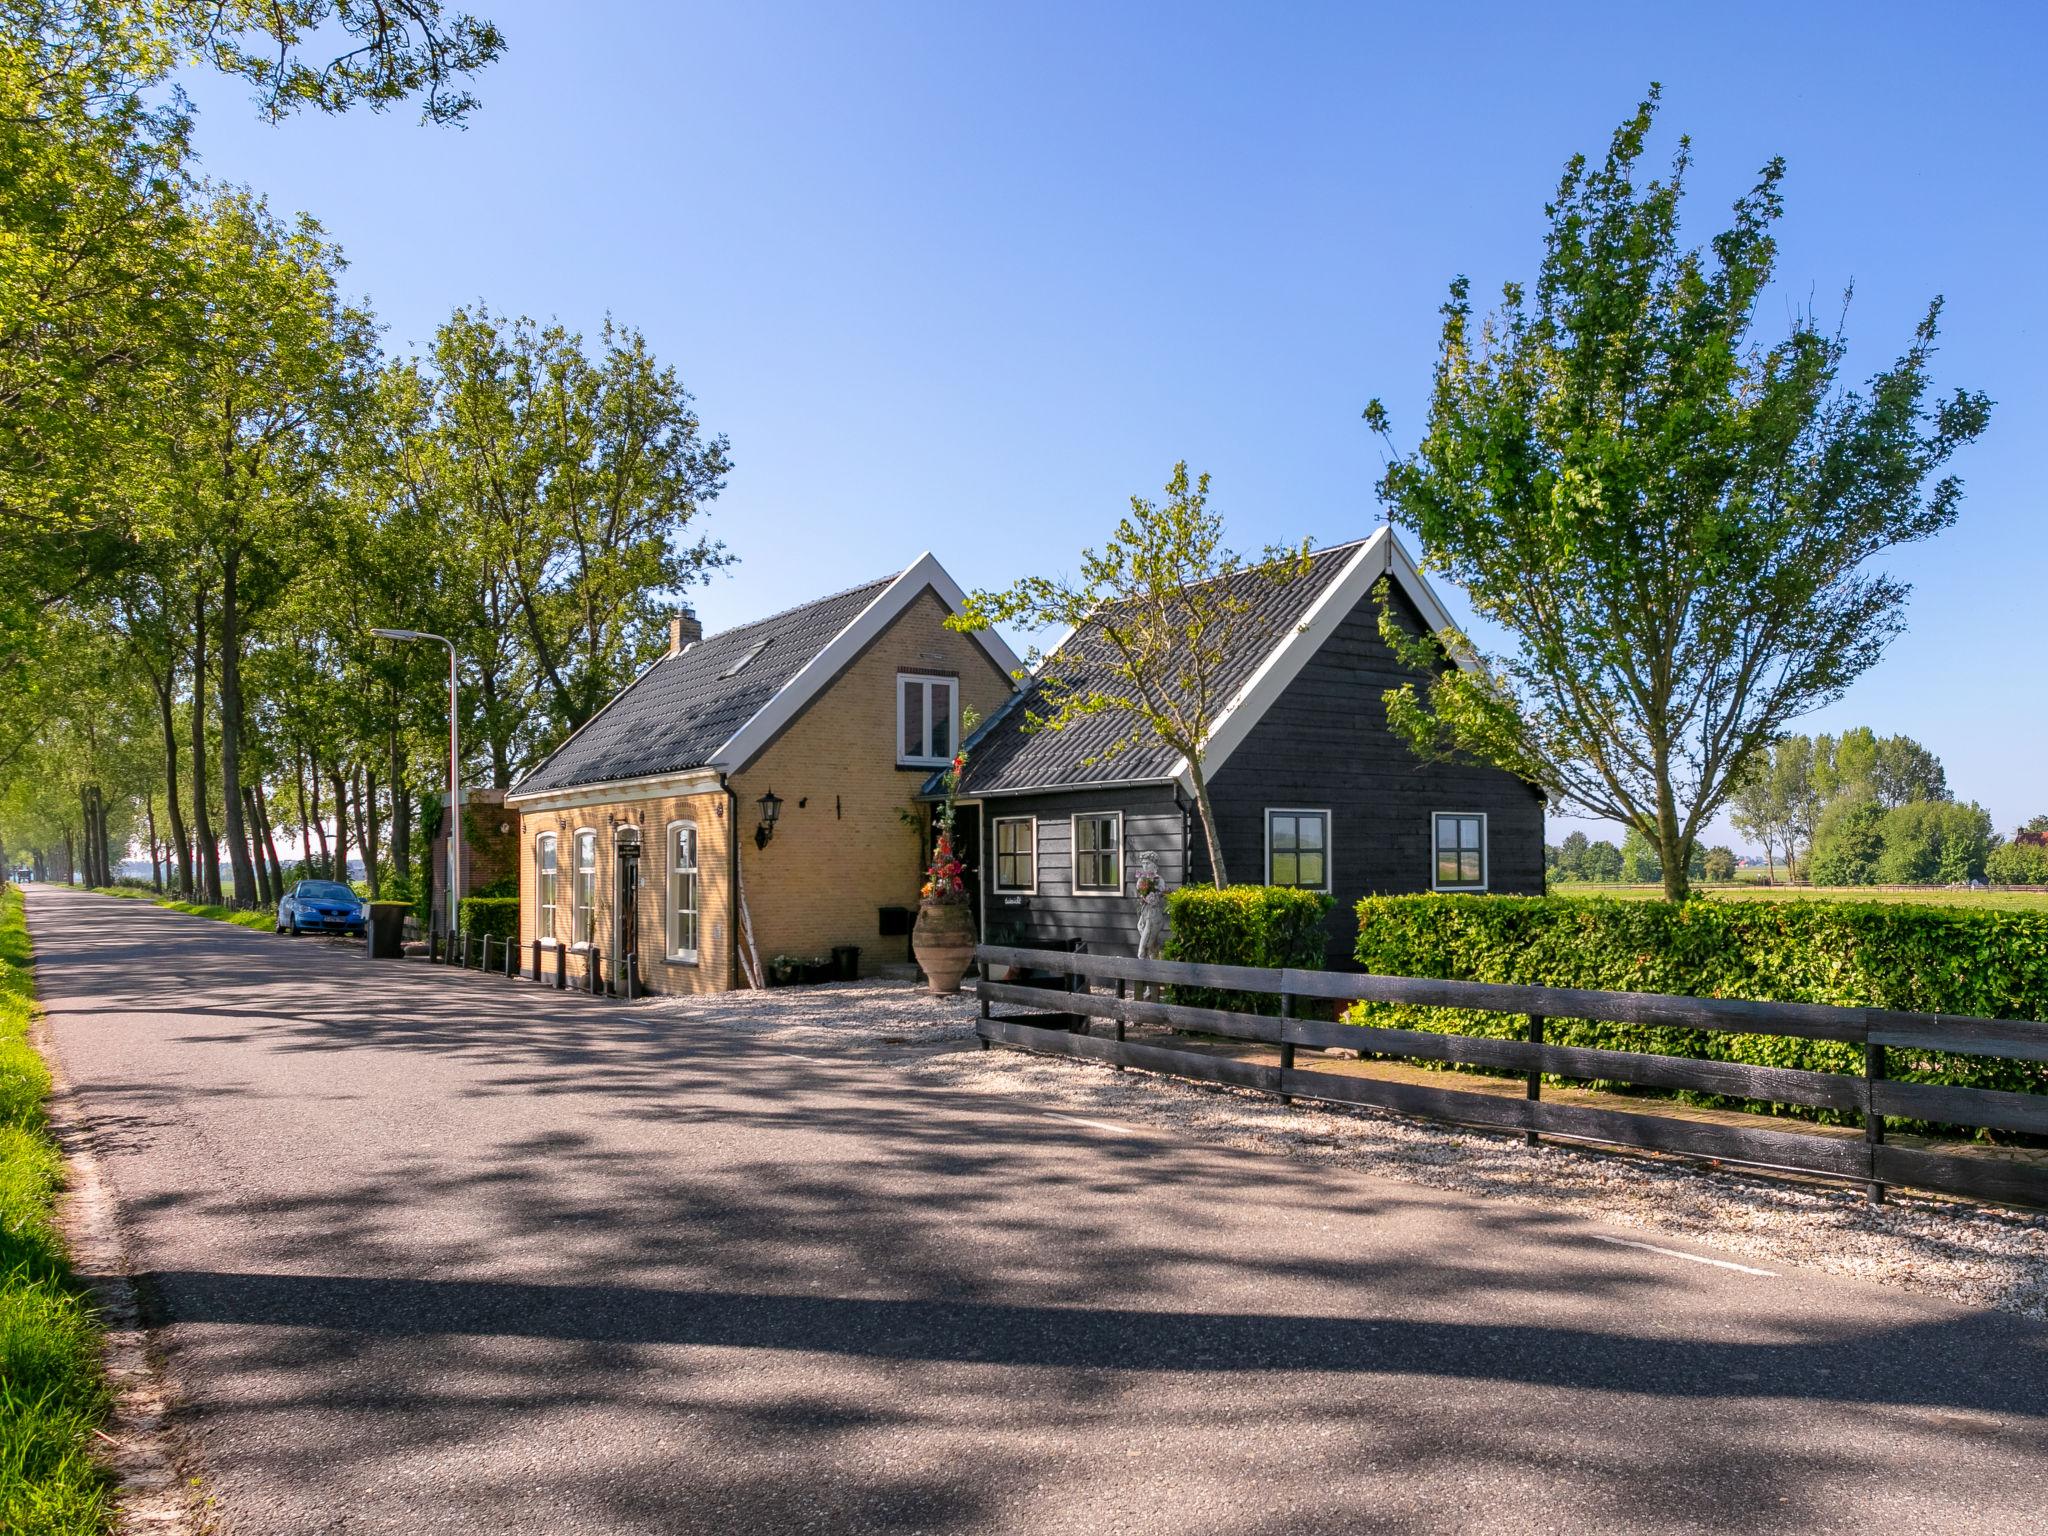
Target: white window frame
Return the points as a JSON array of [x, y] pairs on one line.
[[576, 903], [995, 856], [671, 929], [1074, 855], [549, 881], [925, 681], [1328, 828], [1485, 851]]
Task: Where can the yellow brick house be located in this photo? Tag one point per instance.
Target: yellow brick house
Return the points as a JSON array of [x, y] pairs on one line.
[[754, 793]]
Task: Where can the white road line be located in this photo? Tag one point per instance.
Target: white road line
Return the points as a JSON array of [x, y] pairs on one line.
[[1098, 1125], [1675, 1253]]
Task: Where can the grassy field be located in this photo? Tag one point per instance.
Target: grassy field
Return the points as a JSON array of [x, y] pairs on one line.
[[1994, 899], [52, 1394], [265, 921]]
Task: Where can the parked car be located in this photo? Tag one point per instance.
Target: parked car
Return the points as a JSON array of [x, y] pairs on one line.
[[322, 906]]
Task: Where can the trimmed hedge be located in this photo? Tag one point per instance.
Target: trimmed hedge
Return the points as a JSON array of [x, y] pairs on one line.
[[1990, 964], [1264, 925], [495, 917]]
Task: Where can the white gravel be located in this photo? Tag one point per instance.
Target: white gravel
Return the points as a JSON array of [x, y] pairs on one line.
[[1977, 1255]]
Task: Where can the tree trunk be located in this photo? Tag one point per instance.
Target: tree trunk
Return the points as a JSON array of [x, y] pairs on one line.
[[366, 819], [234, 823], [309, 793], [204, 845], [70, 858], [401, 810], [85, 818], [268, 840], [340, 786], [259, 872], [168, 718], [156, 866], [1208, 823]]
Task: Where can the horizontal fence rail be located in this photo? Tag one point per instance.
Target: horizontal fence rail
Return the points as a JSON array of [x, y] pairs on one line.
[[1871, 1095]]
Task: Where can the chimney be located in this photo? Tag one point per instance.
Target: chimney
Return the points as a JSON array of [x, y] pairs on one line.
[[684, 630]]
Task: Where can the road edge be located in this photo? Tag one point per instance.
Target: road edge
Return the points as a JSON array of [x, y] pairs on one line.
[[159, 1489]]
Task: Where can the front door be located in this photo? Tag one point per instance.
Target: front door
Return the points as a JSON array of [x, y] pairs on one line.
[[626, 919], [967, 849]]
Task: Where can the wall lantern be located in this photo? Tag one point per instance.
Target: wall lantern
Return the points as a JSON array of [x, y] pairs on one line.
[[771, 808]]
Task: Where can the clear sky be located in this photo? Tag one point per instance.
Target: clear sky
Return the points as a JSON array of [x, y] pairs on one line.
[[962, 278]]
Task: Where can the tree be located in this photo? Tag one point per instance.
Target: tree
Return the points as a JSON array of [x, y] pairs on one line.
[[2017, 864], [1673, 521], [1603, 861], [1571, 856], [2037, 825], [1933, 842], [1153, 619], [1640, 862], [1720, 864], [1848, 842]]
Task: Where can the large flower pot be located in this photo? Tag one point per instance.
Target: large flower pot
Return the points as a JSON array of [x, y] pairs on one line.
[[943, 942]]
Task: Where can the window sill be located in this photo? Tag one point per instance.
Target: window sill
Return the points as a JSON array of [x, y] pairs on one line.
[[686, 959], [1458, 890]]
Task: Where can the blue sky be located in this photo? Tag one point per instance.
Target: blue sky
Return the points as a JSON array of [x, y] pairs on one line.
[[957, 279]]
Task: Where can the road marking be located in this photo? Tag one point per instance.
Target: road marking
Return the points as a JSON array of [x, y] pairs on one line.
[[1676, 1253], [1098, 1125]]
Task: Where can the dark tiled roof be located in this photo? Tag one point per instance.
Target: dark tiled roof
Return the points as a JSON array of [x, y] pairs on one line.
[[683, 708], [1005, 754]]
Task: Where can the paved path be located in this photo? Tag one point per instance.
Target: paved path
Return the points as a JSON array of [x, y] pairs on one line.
[[443, 1253]]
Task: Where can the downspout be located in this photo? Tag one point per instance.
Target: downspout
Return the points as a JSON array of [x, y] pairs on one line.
[[732, 878]]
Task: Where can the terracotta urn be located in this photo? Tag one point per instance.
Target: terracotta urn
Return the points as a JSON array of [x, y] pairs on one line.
[[943, 942]]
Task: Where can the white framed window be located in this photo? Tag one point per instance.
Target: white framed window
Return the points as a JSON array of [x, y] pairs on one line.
[[583, 914], [1460, 851], [927, 719], [1016, 866], [546, 874], [1298, 849], [682, 892], [1099, 853]]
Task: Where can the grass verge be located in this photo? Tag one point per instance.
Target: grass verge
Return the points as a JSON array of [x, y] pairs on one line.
[[1988, 899], [262, 921], [53, 1396]]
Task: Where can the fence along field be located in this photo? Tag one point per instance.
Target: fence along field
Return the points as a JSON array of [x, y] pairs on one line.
[[1871, 1094]]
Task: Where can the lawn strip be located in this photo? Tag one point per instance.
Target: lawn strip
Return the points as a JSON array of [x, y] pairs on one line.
[[262, 921]]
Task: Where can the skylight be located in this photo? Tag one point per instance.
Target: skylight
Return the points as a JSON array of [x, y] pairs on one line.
[[738, 666]]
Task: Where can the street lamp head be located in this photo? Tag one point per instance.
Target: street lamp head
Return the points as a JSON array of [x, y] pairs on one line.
[[397, 634]]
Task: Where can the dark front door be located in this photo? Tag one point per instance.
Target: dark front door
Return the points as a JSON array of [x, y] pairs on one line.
[[626, 951], [967, 849]]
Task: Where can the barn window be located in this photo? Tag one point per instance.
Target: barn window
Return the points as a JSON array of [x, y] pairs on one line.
[[1460, 851], [927, 709], [1016, 855], [1099, 854], [1298, 849]]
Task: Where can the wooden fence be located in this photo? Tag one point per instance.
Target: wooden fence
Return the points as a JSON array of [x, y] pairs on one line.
[[1872, 1095]]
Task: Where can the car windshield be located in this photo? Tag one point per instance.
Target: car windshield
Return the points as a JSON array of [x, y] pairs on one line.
[[325, 890]]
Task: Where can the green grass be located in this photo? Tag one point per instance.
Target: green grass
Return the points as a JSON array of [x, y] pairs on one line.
[[52, 1393], [263, 921], [1993, 899]]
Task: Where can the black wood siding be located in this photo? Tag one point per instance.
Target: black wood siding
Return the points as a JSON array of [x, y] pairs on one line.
[[1325, 745], [1153, 823]]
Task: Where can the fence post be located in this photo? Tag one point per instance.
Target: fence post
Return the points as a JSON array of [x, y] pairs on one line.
[[536, 958], [433, 946], [981, 991], [1286, 1047], [1120, 989], [1535, 1089], [593, 970], [511, 957], [561, 967], [1873, 1122]]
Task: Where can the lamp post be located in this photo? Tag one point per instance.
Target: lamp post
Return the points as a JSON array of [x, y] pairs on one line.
[[454, 769]]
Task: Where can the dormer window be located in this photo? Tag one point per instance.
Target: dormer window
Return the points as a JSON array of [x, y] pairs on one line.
[[927, 720]]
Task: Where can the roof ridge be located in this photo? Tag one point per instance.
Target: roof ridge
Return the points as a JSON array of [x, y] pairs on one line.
[[812, 602]]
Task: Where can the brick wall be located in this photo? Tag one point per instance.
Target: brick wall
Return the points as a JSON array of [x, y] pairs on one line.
[[842, 849]]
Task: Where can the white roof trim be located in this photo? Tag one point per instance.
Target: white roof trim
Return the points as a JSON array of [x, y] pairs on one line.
[[689, 781], [817, 674], [1380, 555]]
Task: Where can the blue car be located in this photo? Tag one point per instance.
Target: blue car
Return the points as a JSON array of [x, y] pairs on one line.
[[321, 906]]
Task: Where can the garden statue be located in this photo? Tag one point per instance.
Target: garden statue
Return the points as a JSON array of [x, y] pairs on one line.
[[1151, 918]]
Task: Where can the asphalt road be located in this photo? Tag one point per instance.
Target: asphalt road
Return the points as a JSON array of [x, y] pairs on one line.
[[439, 1253]]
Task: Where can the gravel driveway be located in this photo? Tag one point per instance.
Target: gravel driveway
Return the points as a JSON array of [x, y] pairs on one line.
[[434, 1252]]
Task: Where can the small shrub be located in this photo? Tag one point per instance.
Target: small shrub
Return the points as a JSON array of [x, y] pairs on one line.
[[2017, 864], [495, 917], [1263, 925]]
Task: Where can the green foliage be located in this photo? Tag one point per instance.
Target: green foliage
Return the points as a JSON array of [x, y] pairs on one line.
[[1848, 841], [1938, 842], [1672, 516], [1719, 864], [1262, 925], [1640, 864], [2017, 864], [494, 917], [1921, 958], [53, 1398], [1603, 861]]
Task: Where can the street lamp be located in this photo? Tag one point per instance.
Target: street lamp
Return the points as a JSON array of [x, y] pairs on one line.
[[454, 769]]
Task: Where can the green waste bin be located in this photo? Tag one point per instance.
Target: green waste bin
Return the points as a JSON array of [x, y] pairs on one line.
[[386, 937]]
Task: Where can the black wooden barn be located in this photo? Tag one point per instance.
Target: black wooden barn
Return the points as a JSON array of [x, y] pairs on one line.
[[1309, 785]]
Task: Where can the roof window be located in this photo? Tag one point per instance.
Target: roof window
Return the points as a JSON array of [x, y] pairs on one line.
[[737, 667]]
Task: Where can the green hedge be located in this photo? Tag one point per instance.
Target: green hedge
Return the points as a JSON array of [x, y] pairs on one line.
[[1266, 925], [494, 917], [1927, 959]]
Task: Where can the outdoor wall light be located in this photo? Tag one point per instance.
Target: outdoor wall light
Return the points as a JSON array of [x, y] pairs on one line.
[[771, 809]]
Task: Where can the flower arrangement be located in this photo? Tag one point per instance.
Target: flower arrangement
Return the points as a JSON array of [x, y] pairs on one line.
[[945, 881]]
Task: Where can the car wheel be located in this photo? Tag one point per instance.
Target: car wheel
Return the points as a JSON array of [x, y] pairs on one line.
[[295, 925]]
